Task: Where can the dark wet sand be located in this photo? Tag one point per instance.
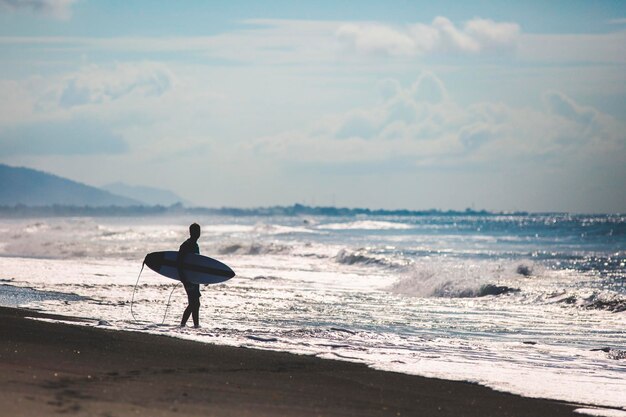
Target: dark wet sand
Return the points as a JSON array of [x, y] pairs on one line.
[[59, 369]]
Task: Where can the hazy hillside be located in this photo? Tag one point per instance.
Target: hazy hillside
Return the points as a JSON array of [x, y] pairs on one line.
[[148, 195], [36, 188]]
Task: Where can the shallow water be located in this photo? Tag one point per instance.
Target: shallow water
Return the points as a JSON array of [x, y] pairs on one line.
[[518, 303]]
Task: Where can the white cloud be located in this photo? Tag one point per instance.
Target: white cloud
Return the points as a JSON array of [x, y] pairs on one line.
[[318, 43], [376, 38], [443, 133], [476, 134], [441, 36], [492, 35], [93, 84], [136, 100], [359, 124], [92, 91], [578, 48], [59, 9], [561, 105], [451, 39], [428, 88]]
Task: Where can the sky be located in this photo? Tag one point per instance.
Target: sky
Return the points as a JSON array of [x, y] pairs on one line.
[[491, 105]]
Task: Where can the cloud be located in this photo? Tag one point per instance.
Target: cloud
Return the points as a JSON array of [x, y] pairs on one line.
[[573, 48], [474, 135], [59, 9], [428, 88], [403, 107], [620, 21], [127, 94], [492, 35], [95, 85], [74, 137], [358, 124], [314, 43], [477, 36], [421, 122], [101, 109], [388, 88], [376, 38], [561, 105]]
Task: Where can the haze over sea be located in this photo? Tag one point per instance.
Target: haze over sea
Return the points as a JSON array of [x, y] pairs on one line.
[[532, 304]]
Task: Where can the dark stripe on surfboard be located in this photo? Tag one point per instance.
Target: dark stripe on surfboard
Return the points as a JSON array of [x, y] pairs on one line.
[[198, 268]]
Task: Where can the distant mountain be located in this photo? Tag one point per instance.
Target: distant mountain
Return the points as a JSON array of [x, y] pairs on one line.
[[148, 195], [36, 188]]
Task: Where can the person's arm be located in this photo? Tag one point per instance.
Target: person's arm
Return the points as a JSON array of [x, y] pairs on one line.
[[179, 263]]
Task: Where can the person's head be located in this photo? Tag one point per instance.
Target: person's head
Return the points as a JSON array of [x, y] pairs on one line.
[[194, 231]]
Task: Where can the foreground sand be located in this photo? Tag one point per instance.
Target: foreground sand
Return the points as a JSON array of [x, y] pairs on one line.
[[51, 368]]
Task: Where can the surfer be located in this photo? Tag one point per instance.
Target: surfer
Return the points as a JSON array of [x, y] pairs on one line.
[[193, 290]]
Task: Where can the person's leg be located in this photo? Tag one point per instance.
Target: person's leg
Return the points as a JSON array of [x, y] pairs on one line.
[[186, 315], [190, 302], [195, 311]]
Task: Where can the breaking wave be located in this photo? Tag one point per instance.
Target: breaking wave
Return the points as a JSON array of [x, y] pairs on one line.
[[366, 225], [455, 281], [363, 257], [253, 249], [275, 229], [597, 300]]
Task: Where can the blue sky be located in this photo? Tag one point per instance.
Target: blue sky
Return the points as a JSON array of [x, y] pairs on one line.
[[397, 104]]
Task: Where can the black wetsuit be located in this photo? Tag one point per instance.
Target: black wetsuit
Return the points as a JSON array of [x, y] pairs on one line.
[[193, 290]]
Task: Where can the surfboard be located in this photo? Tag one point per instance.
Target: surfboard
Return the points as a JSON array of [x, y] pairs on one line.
[[197, 268]]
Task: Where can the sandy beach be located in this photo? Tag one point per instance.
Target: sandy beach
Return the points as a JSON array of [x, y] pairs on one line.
[[53, 368]]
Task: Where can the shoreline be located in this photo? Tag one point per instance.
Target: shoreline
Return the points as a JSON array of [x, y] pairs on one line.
[[51, 368]]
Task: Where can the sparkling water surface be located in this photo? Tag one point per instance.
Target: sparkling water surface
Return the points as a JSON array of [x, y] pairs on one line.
[[530, 304]]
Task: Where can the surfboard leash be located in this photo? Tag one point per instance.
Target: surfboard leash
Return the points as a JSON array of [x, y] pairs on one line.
[[168, 302], [132, 300]]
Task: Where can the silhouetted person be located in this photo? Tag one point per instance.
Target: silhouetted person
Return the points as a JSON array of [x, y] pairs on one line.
[[193, 290]]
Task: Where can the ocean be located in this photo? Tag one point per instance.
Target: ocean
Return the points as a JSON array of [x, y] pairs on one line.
[[533, 304]]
